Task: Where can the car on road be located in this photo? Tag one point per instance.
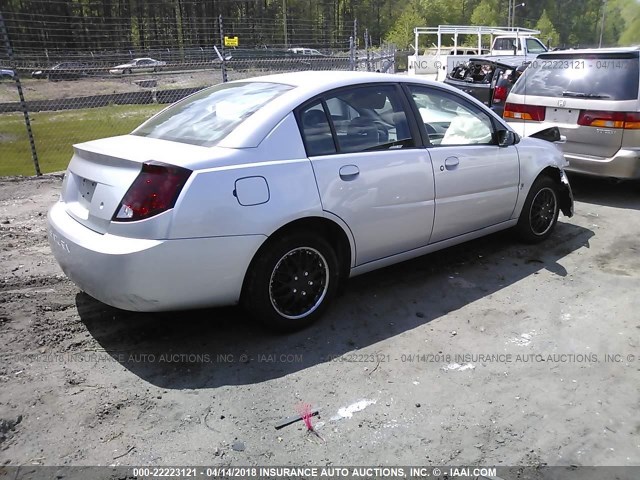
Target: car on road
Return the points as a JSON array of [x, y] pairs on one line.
[[272, 191], [62, 71], [489, 79], [138, 65], [592, 96], [6, 73]]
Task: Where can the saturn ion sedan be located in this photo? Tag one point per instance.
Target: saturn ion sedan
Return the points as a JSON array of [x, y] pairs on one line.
[[272, 191]]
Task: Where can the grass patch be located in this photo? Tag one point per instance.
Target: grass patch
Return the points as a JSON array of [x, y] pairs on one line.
[[56, 132]]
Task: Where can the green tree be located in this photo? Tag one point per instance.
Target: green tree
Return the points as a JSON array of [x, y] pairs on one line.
[[401, 33], [548, 33], [487, 13], [630, 12]]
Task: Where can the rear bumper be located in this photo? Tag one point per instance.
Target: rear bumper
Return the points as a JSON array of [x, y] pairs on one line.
[[151, 275], [624, 165]]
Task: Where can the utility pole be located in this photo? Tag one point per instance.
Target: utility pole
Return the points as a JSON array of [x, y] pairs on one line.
[[604, 9], [513, 12]]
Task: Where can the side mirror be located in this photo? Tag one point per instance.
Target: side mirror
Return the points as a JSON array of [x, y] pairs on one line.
[[506, 138]]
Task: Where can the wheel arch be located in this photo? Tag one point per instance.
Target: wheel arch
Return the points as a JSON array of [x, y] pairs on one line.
[[337, 235], [564, 190]]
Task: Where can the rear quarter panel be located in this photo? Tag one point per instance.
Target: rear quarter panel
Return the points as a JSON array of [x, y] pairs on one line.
[[209, 206]]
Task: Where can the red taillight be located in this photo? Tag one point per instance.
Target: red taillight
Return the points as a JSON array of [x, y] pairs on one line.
[[518, 111], [154, 191], [595, 118], [500, 94]]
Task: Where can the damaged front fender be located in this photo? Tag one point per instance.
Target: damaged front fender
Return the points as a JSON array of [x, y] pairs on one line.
[[566, 195]]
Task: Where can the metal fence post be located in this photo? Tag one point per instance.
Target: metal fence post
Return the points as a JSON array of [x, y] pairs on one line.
[[366, 47], [355, 43], [23, 103], [394, 51], [224, 65], [352, 58]]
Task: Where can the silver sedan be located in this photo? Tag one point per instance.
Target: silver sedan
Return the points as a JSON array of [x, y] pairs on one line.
[[272, 191], [138, 65]]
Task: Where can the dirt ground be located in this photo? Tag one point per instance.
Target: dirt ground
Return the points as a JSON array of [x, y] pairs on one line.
[[38, 89], [490, 353]]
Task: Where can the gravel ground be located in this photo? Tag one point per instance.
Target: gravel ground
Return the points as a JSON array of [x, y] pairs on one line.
[[491, 353]]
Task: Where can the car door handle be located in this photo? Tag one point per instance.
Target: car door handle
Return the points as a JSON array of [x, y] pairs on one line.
[[349, 172], [451, 162]]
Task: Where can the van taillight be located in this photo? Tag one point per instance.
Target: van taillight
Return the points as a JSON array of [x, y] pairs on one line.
[[596, 118], [500, 94], [155, 190], [518, 111]]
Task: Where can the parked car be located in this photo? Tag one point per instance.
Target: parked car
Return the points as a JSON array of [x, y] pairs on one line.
[[271, 191], [489, 79], [138, 65], [62, 71], [305, 51], [592, 96], [6, 73]]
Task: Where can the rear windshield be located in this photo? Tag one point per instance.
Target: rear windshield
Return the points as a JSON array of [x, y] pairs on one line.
[[594, 76], [206, 117]]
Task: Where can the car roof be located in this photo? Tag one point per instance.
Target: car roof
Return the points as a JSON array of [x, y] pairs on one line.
[[326, 80], [307, 85]]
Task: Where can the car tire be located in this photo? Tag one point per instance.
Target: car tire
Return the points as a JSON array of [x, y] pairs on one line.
[[540, 211], [291, 281], [129, 71]]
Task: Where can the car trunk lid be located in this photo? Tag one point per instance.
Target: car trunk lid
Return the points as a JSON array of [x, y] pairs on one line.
[[101, 172]]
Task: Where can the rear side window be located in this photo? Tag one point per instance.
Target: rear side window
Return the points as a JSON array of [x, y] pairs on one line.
[[206, 117], [504, 44], [316, 131], [594, 76]]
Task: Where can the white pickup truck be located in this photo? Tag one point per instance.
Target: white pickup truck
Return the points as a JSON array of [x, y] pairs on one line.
[[438, 60]]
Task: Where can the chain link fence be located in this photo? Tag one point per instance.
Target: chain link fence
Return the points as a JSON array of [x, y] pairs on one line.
[[51, 99]]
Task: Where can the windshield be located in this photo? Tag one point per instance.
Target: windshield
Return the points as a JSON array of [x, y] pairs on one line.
[[589, 75], [206, 117]]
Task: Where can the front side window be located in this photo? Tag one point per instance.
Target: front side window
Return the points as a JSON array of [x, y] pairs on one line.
[[206, 117], [450, 120]]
